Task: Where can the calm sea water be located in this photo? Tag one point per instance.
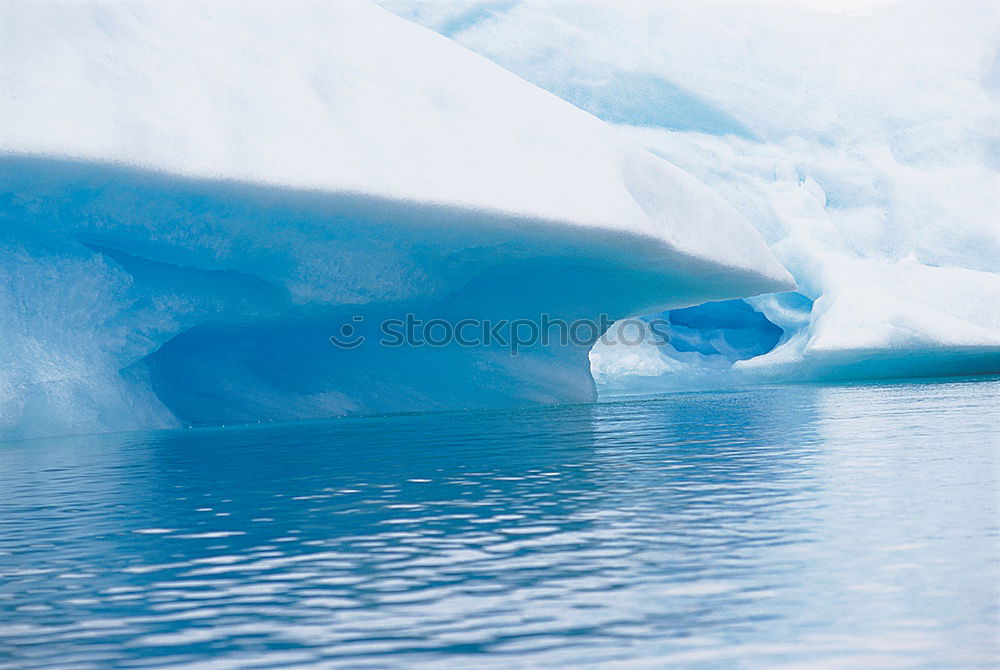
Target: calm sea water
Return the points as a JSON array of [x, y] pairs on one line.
[[807, 526]]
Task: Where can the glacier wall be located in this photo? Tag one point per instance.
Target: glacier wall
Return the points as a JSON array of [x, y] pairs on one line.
[[860, 138], [197, 196]]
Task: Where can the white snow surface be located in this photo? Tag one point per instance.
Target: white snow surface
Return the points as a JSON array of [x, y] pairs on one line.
[[335, 96], [196, 194], [862, 140]]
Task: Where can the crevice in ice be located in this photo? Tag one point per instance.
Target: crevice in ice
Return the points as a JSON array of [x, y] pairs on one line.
[[475, 15], [642, 99], [731, 329], [704, 344]]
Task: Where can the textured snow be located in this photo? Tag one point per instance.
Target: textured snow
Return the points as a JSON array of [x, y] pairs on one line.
[[861, 139], [198, 194]]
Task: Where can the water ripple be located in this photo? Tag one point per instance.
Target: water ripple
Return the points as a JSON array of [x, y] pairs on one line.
[[846, 526]]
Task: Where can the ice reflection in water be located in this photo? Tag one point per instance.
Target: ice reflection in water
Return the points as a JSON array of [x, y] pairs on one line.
[[850, 525]]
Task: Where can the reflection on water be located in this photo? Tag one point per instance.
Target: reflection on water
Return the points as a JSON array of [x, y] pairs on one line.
[[821, 526]]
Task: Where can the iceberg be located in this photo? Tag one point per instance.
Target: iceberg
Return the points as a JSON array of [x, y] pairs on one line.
[[198, 196], [861, 140]]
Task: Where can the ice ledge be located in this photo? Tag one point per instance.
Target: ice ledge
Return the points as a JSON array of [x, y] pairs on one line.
[[138, 300], [196, 195]]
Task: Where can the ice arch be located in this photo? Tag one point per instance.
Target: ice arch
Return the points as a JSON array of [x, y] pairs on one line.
[[135, 299], [196, 196]]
